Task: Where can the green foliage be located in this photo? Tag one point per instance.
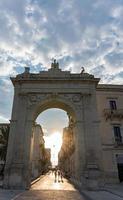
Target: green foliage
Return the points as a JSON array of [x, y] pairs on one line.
[[4, 142]]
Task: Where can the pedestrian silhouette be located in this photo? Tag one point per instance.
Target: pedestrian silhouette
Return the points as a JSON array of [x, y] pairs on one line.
[[55, 173], [59, 174]]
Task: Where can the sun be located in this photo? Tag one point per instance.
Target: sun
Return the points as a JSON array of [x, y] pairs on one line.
[[54, 142]]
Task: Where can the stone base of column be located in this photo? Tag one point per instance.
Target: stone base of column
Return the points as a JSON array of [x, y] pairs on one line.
[[92, 177], [111, 177], [77, 183], [14, 178]]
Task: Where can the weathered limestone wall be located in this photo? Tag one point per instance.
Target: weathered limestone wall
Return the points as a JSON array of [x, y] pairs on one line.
[[34, 93], [16, 163], [105, 93]]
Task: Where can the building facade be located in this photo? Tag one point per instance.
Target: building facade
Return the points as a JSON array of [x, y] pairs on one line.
[[110, 110], [47, 158], [37, 151], [40, 156], [66, 154]]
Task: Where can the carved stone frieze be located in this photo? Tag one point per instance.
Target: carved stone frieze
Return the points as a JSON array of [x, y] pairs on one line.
[[77, 98], [53, 95], [33, 98], [72, 97], [23, 96]]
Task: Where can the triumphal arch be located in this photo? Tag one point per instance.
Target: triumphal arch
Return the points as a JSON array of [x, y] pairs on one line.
[[73, 92]]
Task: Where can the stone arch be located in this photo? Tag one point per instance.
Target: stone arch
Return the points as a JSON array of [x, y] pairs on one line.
[[41, 106], [34, 93], [54, 103]]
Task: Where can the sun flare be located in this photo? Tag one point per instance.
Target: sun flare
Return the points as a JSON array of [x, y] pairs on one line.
[[54, 142]]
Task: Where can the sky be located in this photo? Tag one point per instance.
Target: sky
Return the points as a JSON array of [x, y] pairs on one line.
[[53, 121], [77, 33]]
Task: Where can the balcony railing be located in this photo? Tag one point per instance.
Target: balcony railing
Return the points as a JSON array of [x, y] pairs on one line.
[[113, 114], [118, 144]]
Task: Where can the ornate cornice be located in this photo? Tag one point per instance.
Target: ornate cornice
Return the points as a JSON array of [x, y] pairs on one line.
[[109, 88], [53, 74]]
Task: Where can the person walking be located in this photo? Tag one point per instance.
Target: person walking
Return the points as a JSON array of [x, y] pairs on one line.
[[61, 174], [55, 173]]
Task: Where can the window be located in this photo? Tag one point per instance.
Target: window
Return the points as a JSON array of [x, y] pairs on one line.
[[117, 134], [113, 105]]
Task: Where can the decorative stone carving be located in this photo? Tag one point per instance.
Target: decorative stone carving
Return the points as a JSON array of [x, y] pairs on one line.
[[53, 95], [113, 114], [33, 98], [74, 98], [77, 98], [23, 96], [82, 70], [55, 65]]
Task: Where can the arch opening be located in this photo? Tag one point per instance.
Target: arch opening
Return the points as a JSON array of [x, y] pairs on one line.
[[55, 120], [53, 103]]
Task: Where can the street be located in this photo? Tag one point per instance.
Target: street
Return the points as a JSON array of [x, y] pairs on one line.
[[48, 189]]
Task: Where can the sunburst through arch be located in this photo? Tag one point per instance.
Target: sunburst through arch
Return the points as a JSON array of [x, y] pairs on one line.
[[53, 121]]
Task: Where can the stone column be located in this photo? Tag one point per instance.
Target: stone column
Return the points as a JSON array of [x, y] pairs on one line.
[[28, 153], [15, 163], [79, 155], [92, 141]]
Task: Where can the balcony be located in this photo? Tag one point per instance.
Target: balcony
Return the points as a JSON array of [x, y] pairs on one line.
[[118, 144], [113, 114]]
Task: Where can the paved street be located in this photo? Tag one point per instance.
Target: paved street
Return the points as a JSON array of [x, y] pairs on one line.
[[47, 189], [48, 183]]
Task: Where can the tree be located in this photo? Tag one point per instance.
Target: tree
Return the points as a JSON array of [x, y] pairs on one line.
[[4, 142]]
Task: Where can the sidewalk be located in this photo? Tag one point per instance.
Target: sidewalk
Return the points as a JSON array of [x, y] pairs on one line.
[[10, 194], [109, 192], [116, 189], [101, 195]]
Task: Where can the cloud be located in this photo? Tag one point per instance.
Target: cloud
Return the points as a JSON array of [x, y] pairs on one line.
[[6, 97], [77, 33], [115, 60], [4, 119]]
